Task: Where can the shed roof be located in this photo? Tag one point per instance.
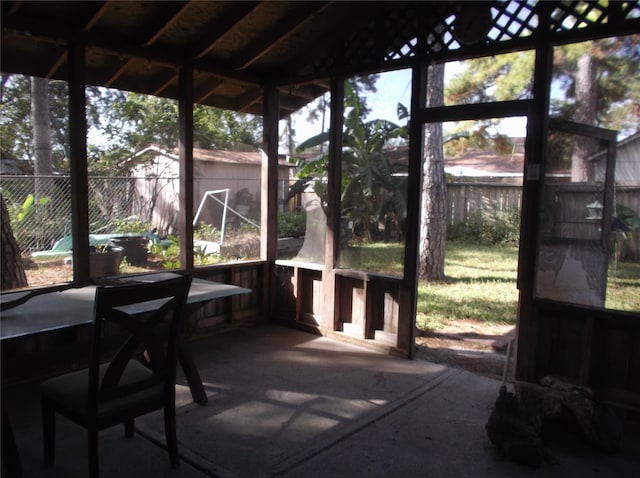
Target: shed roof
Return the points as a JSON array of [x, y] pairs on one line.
[[253, 158]]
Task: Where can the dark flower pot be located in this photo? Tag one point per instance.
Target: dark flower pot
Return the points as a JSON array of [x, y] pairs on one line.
[[106, 263], [134, 248]]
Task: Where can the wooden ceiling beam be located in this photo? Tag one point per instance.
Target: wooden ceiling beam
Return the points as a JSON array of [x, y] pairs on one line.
[[118, 73], [57, 64], [202, 94], [248, 99], [280, 31], [309, 91], [162, 22], [171, 79], [220, 27], [85, 24], [171, 58], [93, 15], [46, 32]]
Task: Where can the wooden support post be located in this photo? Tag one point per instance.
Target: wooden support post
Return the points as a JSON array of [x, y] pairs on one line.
[[269, 194], [185, 147], [535, 150], [78, 161], [329, 318], [408, 292]]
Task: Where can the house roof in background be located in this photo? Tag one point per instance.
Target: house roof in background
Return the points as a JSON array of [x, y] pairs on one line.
[[489, 163], [12, 166], [476, 163]]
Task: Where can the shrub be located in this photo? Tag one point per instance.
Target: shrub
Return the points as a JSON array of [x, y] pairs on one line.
[[488, 227], [206, 232], [130, 224], [292, 224]]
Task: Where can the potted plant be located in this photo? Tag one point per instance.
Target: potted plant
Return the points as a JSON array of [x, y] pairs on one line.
[[104, 261]]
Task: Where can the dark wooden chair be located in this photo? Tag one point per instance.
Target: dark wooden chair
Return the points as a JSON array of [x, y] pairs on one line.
[[138, 378]]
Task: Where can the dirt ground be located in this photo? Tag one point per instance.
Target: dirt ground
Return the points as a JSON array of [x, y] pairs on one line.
[[468, 344]]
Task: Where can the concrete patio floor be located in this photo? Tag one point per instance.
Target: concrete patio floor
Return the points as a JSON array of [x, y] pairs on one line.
[[287, 403]]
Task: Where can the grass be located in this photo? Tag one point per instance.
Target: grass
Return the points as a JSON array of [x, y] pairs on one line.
[[623, 286], [481, 283]]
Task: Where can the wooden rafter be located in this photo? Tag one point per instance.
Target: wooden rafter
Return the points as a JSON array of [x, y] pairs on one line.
[[161, 23], [279, 32], [219, 28]]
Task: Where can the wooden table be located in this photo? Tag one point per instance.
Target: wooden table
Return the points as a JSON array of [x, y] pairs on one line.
[[73, 307]]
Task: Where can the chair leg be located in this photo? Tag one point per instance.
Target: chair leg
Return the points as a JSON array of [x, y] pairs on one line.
[[11, 463], [128, 428], [92, 443], [48, 432], [171, 435]]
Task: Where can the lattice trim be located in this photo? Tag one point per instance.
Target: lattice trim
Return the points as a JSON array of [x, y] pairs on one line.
[[576, 15], [512, 20]]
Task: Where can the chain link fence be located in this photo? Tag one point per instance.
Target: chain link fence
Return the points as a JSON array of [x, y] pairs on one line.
[[40, 207]]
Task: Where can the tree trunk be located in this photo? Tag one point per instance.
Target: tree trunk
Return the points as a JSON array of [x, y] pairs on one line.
[[586, 86], [41, 135], [433, 229], [12, 275]]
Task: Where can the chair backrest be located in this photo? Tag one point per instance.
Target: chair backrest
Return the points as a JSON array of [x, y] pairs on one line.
[[148, 317]]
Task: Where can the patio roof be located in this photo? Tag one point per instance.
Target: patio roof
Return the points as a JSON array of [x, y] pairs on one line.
[[237, 48]]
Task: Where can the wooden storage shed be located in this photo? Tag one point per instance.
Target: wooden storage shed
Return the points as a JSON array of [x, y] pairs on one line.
[[233, 176], [272, 58]]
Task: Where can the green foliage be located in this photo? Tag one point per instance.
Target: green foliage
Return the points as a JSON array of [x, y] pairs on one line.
[[125, 123], [488, 227], [37, 222], [130, 225], [27, 208], [15, 117], [495, 78], [139, 120], [170, 254], [625, 222], [370, 191], [617, 80], [16, 129], [206, 232], [202, 258], [510, 76], [292, 224]]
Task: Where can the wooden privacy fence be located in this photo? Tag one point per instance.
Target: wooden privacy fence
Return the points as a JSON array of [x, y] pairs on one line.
[[466, 198]]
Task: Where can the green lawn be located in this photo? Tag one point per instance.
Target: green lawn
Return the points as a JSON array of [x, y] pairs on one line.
[[623, 286], [481, 283]]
